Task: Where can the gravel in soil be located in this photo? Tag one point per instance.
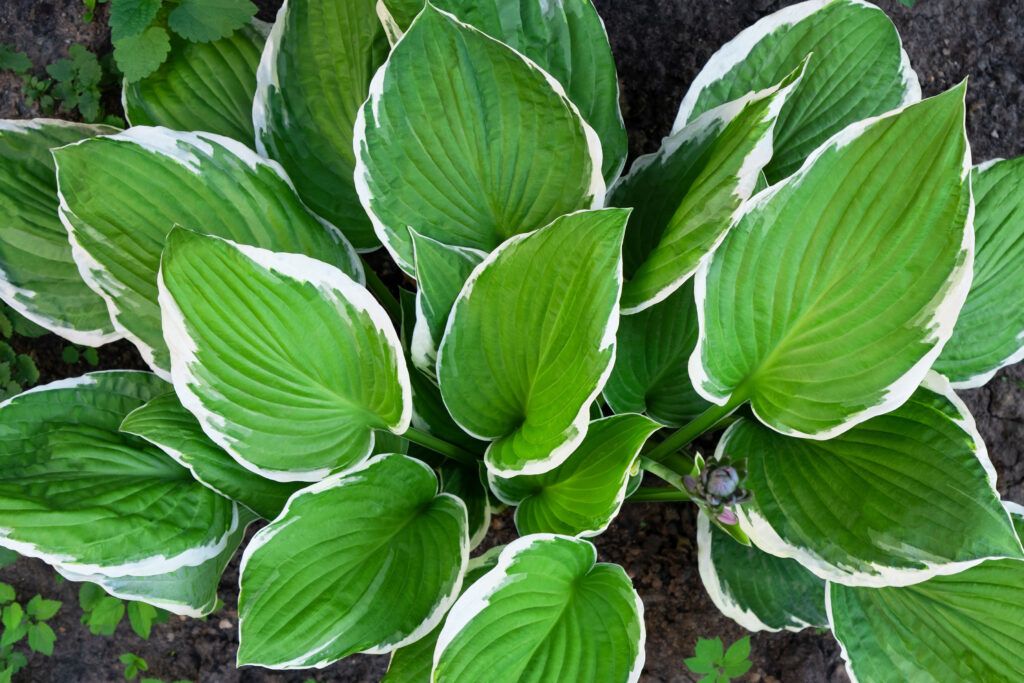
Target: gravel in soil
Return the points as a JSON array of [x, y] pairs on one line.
[[660, 45]]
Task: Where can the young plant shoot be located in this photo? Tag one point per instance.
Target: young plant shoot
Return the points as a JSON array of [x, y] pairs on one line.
[[812, 261]]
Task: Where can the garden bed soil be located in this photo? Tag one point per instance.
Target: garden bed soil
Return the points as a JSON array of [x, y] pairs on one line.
[[659, 45]]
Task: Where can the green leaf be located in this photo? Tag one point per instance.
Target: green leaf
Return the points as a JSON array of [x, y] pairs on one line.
[[284, 403], [69, 355], [38, 276], [688, 193], [18, 62], [583, 495], [830, 504], [879, 217], [13, 614], [758, 591], [710, 650], [738, 653], [189, 591], [7, 593], [573, 619], [201, 86], [202, 21], [141, 616], [567, 39], [165, 423], [121, 195], [42, 609], [441, 271], [314, 76], [964, 627], [857, 69], [469, 485], [89, 595], [699, 666], [989, 333], [412, 663], [367, 560], [140, 55], [468, 142], [131, 17], [652, 349], [80, 495], [1016, 516], [524, 376], [41, 638]]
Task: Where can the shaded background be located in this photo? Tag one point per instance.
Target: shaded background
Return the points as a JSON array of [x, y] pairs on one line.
[[660, 46]]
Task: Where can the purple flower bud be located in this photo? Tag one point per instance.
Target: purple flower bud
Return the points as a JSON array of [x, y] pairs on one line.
[[723, 482], [691, 484], [728, 517]]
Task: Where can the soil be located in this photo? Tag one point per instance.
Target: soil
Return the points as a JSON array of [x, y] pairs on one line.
[[660, 45]]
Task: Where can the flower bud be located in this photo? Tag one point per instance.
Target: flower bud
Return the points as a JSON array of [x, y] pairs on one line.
[[728, 517], [722, 482]]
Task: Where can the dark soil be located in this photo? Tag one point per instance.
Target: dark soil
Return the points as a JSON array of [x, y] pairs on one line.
[[660, 45]]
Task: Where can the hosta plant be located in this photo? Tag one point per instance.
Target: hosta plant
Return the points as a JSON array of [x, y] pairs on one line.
[[811, 261]]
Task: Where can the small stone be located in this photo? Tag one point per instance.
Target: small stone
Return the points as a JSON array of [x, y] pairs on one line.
[[225, 625]]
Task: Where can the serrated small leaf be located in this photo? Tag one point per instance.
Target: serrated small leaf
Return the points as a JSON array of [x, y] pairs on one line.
[[202, 21], [710, 649], [140, 55], [141, 616], [699, 665], [7, 593], [131, 17], [105, 615], [42, 609], [41, 638]]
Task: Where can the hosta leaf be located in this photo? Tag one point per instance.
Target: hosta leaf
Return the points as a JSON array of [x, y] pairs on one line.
[[441, 271], [895, 500], [165, 423], [38, 277], [567, 39], [573, 619], [965, 627], [288, 363], [531, 340], [201, 86], [314, 75], [469, 485], [687, 194], [650, 374], [201, 21], [77, 493], [367, 560], [837, 288], [581, 496], [467, 142], [412, 663], [857, 69], [1016, 516], [758, 591], [122, 194], [989, 333], [191, 591]]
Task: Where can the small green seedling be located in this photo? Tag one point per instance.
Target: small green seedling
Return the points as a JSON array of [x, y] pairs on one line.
[[90, 8], [19, 623], [102, 613], [133, 665], [74, 354], [718, 665]]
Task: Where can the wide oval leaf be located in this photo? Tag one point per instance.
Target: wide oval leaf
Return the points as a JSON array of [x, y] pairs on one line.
[[581, 496], [38, 276], [758, 591], [76, 492], [441, 271], [313, 77], [468, 142], [201, 86], [567, 39], [650, 374], [367, 560], [166, 424], [989, 333], [531, 340], [687, 194], [965, 627], [858, 69], [834, 293], [287, 362], [573, 619], [831, 504], [121, 195]]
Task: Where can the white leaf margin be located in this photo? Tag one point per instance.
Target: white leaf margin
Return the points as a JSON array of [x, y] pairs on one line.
[[335, 286], [740, 47], [766, 538], [337, 480], [596, 190], [478, 596], [940, 325]]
